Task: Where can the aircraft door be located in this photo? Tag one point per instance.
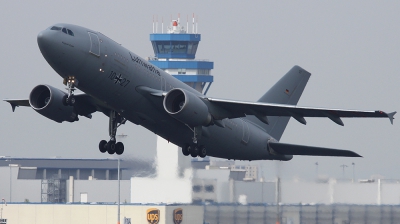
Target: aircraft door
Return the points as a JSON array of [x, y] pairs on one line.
[[94, 44], [246, 132]]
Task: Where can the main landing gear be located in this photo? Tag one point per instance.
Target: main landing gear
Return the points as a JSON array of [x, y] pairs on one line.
[[194, 149], [113, 146], [70, 82]]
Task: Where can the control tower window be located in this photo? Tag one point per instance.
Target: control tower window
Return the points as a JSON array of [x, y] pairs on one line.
[[179, 47], [204, 71], [181, 70], [55, 28], [163, 47], [155, 47], [192, 47]]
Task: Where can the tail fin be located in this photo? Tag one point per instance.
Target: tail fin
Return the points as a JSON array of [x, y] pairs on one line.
[[286, 91]]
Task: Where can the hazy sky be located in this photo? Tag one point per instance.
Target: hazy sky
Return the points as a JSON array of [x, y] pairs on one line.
[[351, 48]]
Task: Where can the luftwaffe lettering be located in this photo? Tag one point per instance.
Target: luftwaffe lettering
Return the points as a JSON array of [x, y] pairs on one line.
[[147, 66], [118, 79], [153, 215]]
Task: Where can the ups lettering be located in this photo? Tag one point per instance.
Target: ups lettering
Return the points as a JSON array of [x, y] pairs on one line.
[[152, 217], [178, 217]]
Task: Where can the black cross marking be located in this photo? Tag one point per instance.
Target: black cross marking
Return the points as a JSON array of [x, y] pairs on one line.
[[118, 79]]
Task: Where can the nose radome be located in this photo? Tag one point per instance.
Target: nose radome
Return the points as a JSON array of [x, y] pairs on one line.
[[43, 40]]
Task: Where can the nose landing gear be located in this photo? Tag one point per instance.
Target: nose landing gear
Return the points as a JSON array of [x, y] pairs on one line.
[[113, 146], [70, 82]]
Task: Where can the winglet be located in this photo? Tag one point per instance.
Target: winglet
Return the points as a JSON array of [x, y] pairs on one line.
[[391, 116]]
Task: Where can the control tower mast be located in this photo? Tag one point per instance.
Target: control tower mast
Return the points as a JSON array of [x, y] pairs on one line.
[[175, 53]]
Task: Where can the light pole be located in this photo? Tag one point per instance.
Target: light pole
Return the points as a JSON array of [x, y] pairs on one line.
[[344, 166], [119, 194], [353, 171], [9, 164], [120, 137], [316, 164], [4, 203]]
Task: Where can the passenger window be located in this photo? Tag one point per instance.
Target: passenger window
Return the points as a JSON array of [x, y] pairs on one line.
[[70, 33], [64, 30], [55, 28]]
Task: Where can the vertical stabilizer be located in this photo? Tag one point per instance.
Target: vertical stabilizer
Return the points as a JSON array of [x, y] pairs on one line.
[[286, 91]]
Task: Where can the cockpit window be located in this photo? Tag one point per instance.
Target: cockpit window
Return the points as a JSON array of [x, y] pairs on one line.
[[55, 28], [63, 29], [70, 32]]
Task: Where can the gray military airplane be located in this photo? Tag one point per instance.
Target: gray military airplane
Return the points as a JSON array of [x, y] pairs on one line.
[[125, 87]]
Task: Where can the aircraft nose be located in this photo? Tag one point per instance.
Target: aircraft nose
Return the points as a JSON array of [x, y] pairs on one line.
[[44, 42]]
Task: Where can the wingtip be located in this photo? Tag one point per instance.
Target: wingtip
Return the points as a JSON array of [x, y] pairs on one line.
[[13, 106]]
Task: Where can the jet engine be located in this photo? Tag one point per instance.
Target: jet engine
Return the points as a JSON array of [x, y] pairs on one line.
[[48, 101], [187, 108]]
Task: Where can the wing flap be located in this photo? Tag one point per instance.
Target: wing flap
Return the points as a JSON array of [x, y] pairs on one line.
[[290, 149]]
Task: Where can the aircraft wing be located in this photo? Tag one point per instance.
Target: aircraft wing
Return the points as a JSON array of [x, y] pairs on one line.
[[233, 109], [84, 105], [16, 103]]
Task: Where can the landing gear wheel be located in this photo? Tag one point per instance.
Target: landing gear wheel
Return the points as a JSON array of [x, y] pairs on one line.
[[115, 121], [185, 150], [102, 146], [111, 147], [193, 151], [202, 152], [119, 148]]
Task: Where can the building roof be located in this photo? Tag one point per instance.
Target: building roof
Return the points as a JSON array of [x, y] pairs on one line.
[[62, 163]]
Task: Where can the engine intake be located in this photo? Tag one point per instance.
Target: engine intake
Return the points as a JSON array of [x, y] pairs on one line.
[[48, 101], [187, 108]]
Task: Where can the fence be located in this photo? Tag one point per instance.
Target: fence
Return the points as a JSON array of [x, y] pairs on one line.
[[301, 214]]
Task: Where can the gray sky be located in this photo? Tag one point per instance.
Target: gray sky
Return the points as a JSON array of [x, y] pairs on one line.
[[351, 49]]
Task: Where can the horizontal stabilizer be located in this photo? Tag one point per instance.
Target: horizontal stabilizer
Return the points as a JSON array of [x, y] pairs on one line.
[[391, 116], [289, 149]]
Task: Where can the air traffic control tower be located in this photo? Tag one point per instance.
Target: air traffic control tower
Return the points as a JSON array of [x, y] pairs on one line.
[[175, 53]]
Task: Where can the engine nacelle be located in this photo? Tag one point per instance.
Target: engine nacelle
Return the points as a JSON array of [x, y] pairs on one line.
[[48, 101], [187, 108]]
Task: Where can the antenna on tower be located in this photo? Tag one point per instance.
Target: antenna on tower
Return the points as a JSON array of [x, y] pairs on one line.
[[193, 24], [187, 23], [157, 25], [197, 20], [153, 23], [162, 24]]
